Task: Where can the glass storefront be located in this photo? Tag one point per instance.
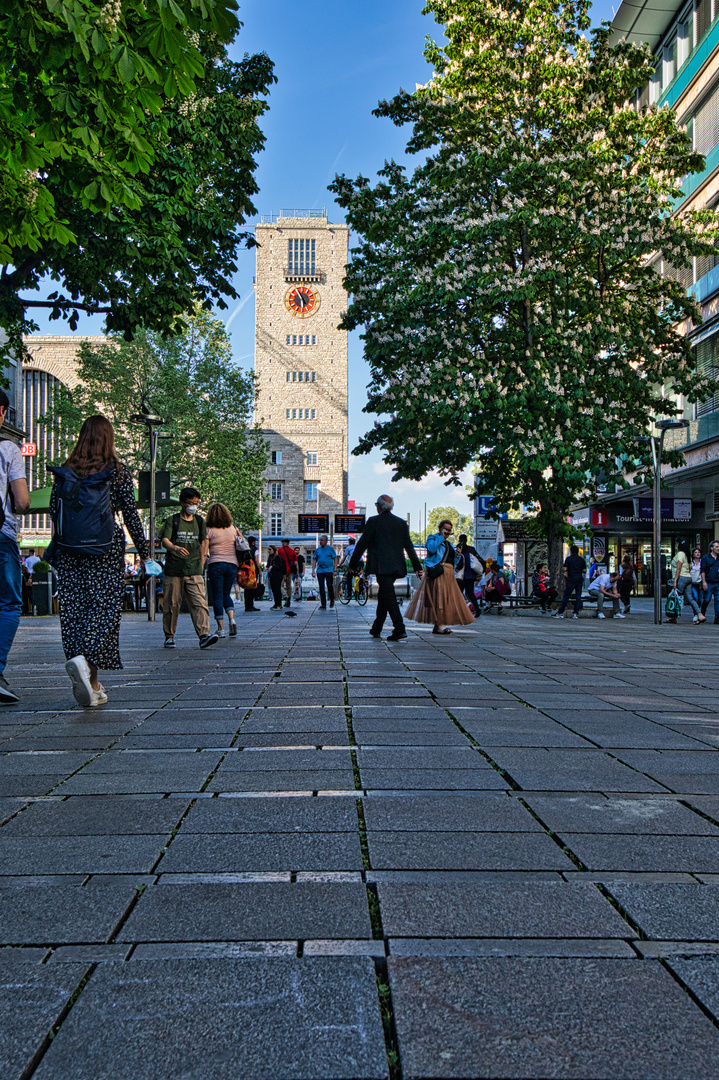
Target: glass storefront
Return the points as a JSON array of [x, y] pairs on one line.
[[639, 549]]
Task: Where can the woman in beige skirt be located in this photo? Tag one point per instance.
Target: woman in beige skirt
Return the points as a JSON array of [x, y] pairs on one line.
[[439, 600]]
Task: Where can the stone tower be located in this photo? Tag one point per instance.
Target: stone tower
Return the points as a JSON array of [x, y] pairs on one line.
[[301, 368]]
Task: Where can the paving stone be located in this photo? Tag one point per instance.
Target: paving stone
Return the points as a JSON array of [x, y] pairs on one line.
[[42, 763], [308, 1018], [296, 815], [454, 813], [413, 738], [262, 851], [599, 814], [320, 694], [428, 779], [247, 912], [192, 721], [36, 914], [306, 740], [570, 770], [507, 947], [32, 999], [328, 718], [276, 780], [79, 854], [501, 910], [132, 761], [421, 758], [388, 715], [286, 760], [199, 740], [648, 853], [96, 816], [29, 786], [459, 1017], [671, 911], [536, 731], [464, 851], [144, 783], [8, 807]]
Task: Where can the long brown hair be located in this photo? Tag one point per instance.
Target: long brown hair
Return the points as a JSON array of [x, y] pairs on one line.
[[218, 517], [94, 450]]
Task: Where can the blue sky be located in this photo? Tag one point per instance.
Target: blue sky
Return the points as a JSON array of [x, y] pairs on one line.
[[334, 61]]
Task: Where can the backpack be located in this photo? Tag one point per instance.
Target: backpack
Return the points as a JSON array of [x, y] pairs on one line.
[[247, 576], [84, 520], [201, 531]]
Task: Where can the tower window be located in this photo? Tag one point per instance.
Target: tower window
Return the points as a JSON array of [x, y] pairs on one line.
[[276, 457], [276, 492], [311, 492], [313, 376], [311, 457], [275, 524], [314, 414], [301, 256]]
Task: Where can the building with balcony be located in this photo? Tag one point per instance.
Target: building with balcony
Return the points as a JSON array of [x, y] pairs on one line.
[[301, 369], [684, 38]]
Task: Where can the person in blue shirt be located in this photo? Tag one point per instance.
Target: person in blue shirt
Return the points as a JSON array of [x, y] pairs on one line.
[[324, 561]]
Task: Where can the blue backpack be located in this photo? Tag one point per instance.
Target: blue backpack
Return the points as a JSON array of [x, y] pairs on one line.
[[83, 519]]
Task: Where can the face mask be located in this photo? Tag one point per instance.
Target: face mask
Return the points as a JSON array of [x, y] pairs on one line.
[[191, 509]]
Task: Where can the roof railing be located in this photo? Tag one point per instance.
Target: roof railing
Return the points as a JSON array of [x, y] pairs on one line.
[[270, 219]]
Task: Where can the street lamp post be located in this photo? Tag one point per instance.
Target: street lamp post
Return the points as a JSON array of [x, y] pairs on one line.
[[657, 444], [151, 422]]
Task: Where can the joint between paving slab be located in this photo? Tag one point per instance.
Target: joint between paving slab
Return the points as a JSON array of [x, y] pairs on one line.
[[690, 993], [44, 1046]]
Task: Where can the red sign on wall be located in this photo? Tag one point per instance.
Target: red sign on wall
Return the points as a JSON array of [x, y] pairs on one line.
[[598, 517], [28, 449]]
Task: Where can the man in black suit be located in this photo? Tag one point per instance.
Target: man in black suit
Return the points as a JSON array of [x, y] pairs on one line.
[[385, 539]]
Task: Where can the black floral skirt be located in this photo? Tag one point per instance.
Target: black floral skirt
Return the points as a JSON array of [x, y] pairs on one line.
[[90, 592]]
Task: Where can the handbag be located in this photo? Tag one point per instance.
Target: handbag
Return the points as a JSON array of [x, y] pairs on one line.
[[673, 606], [241, 544], [433, 572], [474, 564], [152, 568]]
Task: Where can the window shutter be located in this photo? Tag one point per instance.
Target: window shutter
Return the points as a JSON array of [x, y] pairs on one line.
[[707, 364], [704, 17], [706, 122]]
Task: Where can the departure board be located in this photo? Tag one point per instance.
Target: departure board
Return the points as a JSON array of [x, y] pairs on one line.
[[313, 523], [349, 523]]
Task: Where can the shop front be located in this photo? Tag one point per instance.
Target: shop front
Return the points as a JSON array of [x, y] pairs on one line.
[[624, 527]]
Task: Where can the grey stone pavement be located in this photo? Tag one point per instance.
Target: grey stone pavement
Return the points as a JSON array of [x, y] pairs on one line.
[[308, 854]]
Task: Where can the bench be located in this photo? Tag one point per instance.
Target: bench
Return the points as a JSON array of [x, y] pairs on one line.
[[530, 601]]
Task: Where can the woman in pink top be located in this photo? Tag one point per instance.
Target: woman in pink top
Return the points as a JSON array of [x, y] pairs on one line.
[[222, 564]]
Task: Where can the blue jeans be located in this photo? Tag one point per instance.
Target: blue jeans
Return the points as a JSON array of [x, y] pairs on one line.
[[10, 595], [713, 590], [222, 577], [572, 585]]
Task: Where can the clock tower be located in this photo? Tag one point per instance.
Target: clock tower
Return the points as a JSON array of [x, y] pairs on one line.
[[301, 369]]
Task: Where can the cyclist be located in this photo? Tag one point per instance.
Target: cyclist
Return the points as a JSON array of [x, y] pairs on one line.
[[349, 552]]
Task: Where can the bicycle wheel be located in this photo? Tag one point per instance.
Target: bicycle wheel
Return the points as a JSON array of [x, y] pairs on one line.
[[343, 592], [363, 595]]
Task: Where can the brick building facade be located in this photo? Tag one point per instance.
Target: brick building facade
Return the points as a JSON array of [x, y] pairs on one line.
[[301, 369]]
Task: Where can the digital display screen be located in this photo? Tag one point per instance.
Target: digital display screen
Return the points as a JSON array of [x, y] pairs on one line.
[[313, 523], [349, 523]]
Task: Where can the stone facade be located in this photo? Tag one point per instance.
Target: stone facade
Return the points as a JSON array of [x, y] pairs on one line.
[[51, 362], [301, 369]]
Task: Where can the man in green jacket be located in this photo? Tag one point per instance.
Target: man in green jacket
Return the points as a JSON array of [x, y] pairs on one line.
[[386, 539]]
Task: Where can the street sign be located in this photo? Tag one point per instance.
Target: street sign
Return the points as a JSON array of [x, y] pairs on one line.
[[28, 449], [349, 523], [313, 523], [162, 487]]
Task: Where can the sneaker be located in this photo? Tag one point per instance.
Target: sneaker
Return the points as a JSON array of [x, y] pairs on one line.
[[601, 615], [575, 616], [221, 633], [99, 697], [79, 671], [619, 615], [208, 639], [233, 625], [375, 634], [7, 696], [169, 643], [276, 607], [557, 615], [696, 619], [394, 636]]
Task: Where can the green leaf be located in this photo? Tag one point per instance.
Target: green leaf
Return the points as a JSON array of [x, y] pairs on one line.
[[125, 65]]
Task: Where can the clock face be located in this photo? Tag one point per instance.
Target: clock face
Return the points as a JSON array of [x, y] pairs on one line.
[[302, 301]]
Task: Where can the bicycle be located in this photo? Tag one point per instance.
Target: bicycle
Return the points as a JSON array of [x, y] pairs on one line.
[[358, 592]]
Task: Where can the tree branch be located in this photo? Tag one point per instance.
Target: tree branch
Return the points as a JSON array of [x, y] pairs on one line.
[[90, 308]]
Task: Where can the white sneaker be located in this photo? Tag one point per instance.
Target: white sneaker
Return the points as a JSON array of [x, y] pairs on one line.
[[99, 697], [575, 616], [221, 633], [695, 619], [619, 615], [79, 671], [557, 615], [601, 615]]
